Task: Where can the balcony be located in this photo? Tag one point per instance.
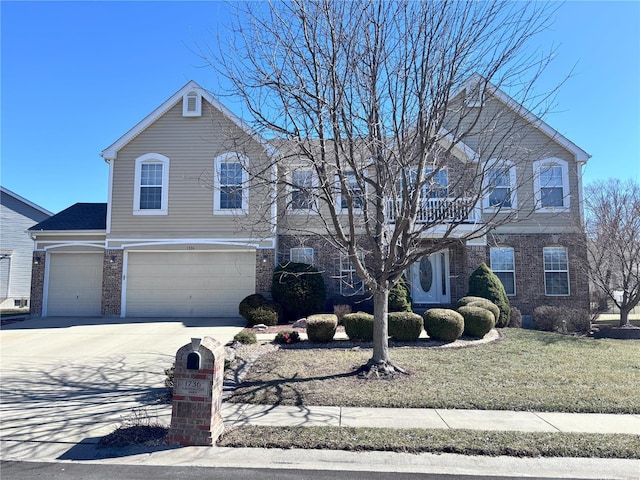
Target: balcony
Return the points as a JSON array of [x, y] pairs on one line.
[[442, 210]]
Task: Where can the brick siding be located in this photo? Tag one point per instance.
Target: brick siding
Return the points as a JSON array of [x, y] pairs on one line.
[[37, 282], [112, 282]]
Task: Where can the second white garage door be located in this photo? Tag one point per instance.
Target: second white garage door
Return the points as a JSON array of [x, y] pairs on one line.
[[192, 284]]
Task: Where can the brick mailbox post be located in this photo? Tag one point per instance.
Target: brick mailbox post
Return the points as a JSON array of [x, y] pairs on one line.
[[196, 418]]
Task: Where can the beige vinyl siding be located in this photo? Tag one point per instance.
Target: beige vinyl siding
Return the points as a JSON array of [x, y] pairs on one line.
[[191, 144], [524, 145]]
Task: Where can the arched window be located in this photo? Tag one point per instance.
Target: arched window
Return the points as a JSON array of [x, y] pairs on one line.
[[151, 187]]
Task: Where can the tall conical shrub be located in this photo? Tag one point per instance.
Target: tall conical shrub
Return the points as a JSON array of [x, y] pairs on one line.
[[484, 283]]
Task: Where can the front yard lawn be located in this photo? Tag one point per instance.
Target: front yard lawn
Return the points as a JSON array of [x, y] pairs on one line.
[[526, 370]]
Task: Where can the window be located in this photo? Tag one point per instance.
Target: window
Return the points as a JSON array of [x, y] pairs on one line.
[[437, 185], [230, 184], [350, 282], [192, 104], [503, 265], [556, 271], [302, 198], [499, 184], [551, 184], [301, 255], [356, 192], [151, 185]]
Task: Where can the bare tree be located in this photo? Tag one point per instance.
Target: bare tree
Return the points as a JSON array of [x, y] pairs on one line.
[[378, 99], [613, 241]]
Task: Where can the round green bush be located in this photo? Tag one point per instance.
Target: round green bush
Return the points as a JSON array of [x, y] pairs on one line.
[[249, 303], [246, 338], [266, 314], [405, 326], [478, 321], [443, 324], [482, 303], [399, 297], [299, 288], [358, 326], [322, 327], [484, 283]]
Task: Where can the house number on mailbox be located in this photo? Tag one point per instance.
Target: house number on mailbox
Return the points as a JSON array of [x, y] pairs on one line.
[[187, 386]]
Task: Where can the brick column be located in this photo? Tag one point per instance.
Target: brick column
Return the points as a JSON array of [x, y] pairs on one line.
[[37, 282], [265, 259], [196, 417], [112, 282]]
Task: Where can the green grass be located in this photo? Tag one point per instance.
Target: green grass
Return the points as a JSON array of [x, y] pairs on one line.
[[466, 442], [527, 370]]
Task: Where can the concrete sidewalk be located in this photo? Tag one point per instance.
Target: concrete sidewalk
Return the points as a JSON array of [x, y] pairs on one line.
[[238, 414]]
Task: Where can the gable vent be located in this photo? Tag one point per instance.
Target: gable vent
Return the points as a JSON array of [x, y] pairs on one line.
[[192, 104]]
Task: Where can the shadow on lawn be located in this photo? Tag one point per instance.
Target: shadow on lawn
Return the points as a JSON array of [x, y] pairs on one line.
[[254, 392]]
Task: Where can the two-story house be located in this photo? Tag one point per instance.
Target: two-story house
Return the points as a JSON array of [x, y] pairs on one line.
[[191, 227]]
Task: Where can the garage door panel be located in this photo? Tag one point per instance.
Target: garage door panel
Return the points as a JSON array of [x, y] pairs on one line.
[[188, 283], [75, 284]]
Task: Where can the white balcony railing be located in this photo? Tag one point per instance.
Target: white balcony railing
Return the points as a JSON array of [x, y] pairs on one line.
[[441, 210]]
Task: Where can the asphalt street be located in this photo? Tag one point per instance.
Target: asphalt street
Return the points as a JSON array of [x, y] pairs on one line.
[[83, 471]]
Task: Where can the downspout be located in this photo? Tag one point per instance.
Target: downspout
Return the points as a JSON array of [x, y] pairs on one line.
[[579, 168]]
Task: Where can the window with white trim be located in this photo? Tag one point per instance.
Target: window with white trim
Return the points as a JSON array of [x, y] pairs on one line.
[[503, 265], [350, 281], [437, 185], [551, 184], [301, 255], [151, 181], [302, 194], [556, 271], [192, 104], [357, 195], [231, 195], [499, 185]]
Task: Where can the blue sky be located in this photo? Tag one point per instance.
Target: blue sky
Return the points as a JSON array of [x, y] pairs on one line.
[[75, 76]]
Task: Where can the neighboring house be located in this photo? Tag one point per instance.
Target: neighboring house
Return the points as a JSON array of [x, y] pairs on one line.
[[188, 229], [17, 215]]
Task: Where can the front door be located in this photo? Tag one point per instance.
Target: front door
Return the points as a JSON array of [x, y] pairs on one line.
[[430, 279]]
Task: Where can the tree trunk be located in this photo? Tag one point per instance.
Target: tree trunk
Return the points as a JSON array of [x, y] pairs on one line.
[[624, 316], [380, 327]]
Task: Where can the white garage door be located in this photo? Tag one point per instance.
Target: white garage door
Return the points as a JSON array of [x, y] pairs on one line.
[[75, 284], [192, 284]]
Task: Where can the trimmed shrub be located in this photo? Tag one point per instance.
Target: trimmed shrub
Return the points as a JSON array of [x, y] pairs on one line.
[[249, 303], [484, 283], [322, 327], [480, 302], [443, 324], [287, 337], [246, 338], [399, 297], [266, 314], [358, 326], [561, 319], [299, 288], [257, 309], [405, 326], [516, 318], [478, 321]]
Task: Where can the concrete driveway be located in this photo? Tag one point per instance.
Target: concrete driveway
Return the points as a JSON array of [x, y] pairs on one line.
[[75, 379]]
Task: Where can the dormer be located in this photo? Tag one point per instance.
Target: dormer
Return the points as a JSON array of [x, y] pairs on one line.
[[192, 104]]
